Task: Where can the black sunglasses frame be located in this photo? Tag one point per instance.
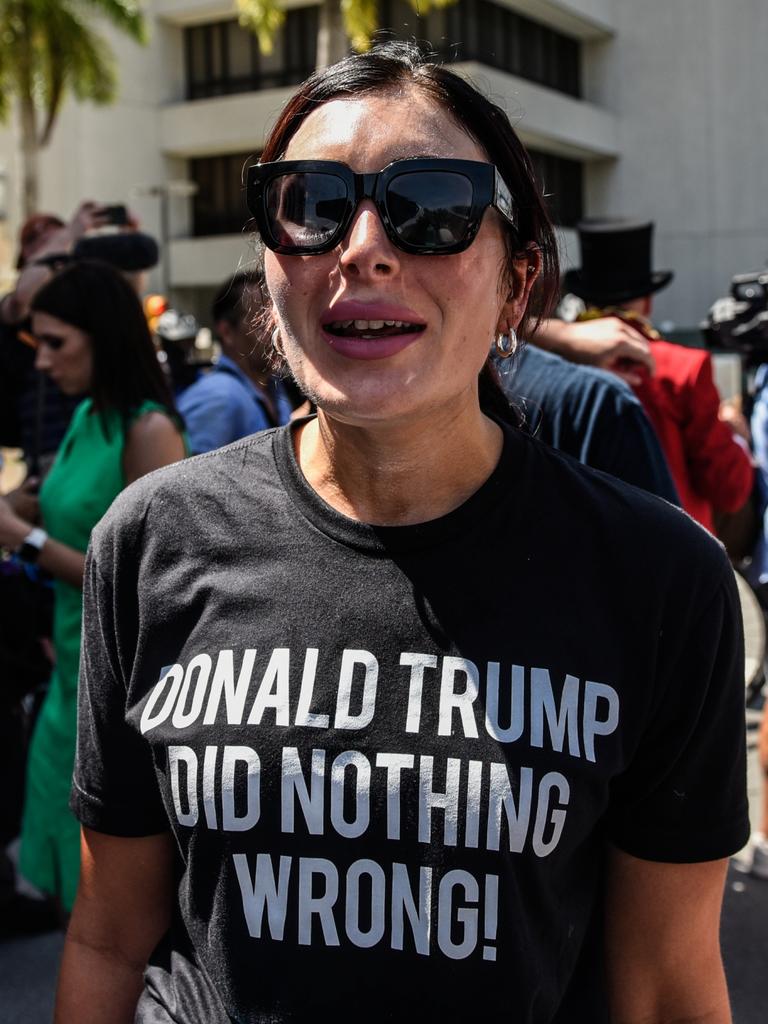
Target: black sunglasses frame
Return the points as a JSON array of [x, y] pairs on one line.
[[488, 189]]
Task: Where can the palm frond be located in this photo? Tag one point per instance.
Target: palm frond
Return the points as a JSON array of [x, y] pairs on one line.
[[71, 56], [126, 15]]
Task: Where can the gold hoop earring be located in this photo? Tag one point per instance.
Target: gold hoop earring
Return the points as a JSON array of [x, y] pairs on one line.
[[506, 344]]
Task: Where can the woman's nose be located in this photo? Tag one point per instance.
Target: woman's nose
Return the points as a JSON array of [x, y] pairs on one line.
[[367, 251], [42, 359]]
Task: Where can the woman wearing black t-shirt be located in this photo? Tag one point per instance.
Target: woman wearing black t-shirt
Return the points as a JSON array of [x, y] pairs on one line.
[[396, 714]]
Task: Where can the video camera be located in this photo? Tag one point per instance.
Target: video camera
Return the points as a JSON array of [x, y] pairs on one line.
[[739, 321]]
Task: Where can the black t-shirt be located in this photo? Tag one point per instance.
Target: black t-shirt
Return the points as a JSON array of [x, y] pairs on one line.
[[392, 757], [592, 415]]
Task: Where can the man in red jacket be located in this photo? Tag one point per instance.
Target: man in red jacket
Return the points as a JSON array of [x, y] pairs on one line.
[[710, 463]]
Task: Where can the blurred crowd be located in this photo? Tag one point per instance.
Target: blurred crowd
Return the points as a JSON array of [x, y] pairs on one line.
[[101, 382]]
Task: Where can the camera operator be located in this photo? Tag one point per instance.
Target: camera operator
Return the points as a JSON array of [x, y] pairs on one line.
[[739, 322]]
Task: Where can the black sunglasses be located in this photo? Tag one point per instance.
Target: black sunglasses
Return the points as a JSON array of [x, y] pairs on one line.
[[427, 207]]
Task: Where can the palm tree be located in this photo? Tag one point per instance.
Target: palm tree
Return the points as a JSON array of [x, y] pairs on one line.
[[48, 48], [341, 22]]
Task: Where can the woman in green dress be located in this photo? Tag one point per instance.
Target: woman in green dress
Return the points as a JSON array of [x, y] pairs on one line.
[[92, 340]]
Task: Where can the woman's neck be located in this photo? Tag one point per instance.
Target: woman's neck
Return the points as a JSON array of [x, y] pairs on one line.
[[402, 474]]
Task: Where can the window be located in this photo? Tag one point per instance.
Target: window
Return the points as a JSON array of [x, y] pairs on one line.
[[218, 207], [224, 58], [494, 35], [563, 183]]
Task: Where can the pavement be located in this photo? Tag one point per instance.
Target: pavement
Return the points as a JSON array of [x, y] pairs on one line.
[[28, 967]]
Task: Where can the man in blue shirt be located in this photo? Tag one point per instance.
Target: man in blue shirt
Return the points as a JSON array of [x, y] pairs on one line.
[[240, 395]]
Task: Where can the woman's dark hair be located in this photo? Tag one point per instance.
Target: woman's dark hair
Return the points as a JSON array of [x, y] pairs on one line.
[[94, 297], [391, 66], [228, 303]]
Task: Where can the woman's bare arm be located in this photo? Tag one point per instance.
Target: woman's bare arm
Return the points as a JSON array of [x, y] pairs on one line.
[[60, 560], [153, 441], [608, 343], [663, 942], [122, 910]]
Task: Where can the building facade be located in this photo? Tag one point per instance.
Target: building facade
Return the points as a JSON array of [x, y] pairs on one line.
[[647, 110]]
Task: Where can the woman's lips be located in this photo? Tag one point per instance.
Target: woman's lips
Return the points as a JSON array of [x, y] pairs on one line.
[[370, 330], [370, 348]]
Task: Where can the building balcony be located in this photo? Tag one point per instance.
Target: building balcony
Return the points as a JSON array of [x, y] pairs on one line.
[[198, 12], [583, 19], [546, 119], [226, 124]]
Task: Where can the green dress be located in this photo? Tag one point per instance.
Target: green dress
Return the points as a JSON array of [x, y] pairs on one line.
[[85, 478]]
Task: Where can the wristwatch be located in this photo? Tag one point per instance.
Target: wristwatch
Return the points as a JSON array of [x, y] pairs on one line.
[[32, 545]]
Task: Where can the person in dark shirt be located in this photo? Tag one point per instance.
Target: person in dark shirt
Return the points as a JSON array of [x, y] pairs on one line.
[[591, 415]]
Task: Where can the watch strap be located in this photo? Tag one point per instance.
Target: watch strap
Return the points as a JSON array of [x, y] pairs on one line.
[[32, 545]]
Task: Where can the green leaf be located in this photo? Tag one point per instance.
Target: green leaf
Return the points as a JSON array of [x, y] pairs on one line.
[[262, 17], [49, 48], [361, 19]]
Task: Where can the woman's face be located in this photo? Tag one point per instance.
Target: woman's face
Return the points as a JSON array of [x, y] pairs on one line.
[[64, 352], [461, 300]]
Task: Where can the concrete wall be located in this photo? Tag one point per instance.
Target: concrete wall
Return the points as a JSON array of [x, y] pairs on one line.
[[687, 81], [547, 119], [585, 19]]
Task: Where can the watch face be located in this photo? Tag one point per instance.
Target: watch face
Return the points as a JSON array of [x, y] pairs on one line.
[[28, 553]]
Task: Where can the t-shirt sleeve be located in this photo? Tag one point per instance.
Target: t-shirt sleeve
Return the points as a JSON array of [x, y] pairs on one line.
[[683, 799], [114, 789]]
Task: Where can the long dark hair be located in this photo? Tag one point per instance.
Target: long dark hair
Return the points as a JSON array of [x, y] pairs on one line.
[[392, 65], [97, 299]]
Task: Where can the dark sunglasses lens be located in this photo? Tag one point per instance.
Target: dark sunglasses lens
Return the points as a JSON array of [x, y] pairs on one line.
[[305, 209], [430, 208]]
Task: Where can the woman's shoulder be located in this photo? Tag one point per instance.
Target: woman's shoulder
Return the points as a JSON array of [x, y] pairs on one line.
[[189, 488], [638, 531], [152, 416]]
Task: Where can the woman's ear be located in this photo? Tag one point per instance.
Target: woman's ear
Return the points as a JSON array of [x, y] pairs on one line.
[[525, 269]]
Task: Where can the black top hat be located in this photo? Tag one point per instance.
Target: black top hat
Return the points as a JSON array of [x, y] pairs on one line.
[[616, 263]]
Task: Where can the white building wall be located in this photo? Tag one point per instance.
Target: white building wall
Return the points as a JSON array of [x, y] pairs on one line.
[[673, 126], [687, 82]]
